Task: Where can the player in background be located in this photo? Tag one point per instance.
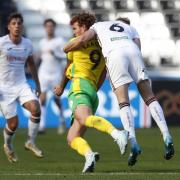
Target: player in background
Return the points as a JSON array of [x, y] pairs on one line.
[[86, 70], [121, 46], [51, 70], [15, 51]]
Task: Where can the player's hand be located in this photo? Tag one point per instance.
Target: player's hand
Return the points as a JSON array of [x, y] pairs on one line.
[[58, 90]]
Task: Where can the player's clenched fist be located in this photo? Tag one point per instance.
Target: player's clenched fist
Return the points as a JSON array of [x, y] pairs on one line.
[[58, 90]]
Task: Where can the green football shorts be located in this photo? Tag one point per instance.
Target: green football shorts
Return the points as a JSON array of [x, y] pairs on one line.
[[85, 94]]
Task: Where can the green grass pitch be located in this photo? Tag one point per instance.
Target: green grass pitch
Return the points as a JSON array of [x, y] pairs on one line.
[[61, 162]]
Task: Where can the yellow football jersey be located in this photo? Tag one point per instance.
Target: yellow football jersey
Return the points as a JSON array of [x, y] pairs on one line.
[[87, 62]]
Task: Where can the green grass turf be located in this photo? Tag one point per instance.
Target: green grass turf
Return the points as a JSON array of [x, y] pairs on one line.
[[61, 162]]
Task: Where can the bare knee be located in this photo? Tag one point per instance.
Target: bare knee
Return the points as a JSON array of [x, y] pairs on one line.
[[12, 124], [82, 122], [82, 113], [35, 109], [76, 130], [81, 118], [122, 93]]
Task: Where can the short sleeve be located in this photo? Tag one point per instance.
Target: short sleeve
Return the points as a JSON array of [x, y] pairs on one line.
[[70, 56], [134, 33]]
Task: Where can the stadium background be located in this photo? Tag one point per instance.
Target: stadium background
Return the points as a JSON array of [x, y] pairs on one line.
[[158, 23]]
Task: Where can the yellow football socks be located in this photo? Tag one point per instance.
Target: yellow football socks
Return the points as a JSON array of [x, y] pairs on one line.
[[80, 145], [100, 124]]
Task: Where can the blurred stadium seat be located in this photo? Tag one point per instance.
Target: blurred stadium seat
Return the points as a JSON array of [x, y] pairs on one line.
[[73, 5], [167, 4], [96, 4], [120, 4], [145, 6]]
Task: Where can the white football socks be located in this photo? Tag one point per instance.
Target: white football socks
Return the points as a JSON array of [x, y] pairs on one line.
[[127, 120], [42, 123], [8, 138], [32, 131], [158, 116]]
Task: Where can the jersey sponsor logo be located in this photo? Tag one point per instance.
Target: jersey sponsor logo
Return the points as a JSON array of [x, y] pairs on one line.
[[17, 49], [16, 54], [119, 38], [16, 58]]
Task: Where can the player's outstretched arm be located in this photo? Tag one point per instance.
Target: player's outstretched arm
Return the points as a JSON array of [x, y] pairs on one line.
[[80, 41]]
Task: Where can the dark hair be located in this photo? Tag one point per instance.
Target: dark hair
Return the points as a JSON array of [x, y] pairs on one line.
[[124, 19], [84, 18], [49, 20], [15, 15]]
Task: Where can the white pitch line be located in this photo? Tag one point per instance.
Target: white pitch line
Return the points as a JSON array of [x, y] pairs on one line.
[[91, 174]]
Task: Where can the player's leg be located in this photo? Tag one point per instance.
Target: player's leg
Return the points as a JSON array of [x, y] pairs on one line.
[[42, 123], [61, 127], [29, 101], [9, 133], [87, 119], [10, 114], [84, 104], [33, 107], [78, 143], [127, 120], [156, 111], [118, 68]]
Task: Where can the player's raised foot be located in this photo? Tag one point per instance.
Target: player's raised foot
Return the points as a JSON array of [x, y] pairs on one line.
[[122, 141], [32, 147], [169, 148], [61, 129], [90, 163], [135, 151], [10, 154]]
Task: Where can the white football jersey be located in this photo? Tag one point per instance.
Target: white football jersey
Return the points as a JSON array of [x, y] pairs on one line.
[[114, 34], [12, 61], [51, 63]]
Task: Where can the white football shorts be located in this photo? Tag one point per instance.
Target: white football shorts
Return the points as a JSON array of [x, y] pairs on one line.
[[48, 82], [13, 95], [125, 65]]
